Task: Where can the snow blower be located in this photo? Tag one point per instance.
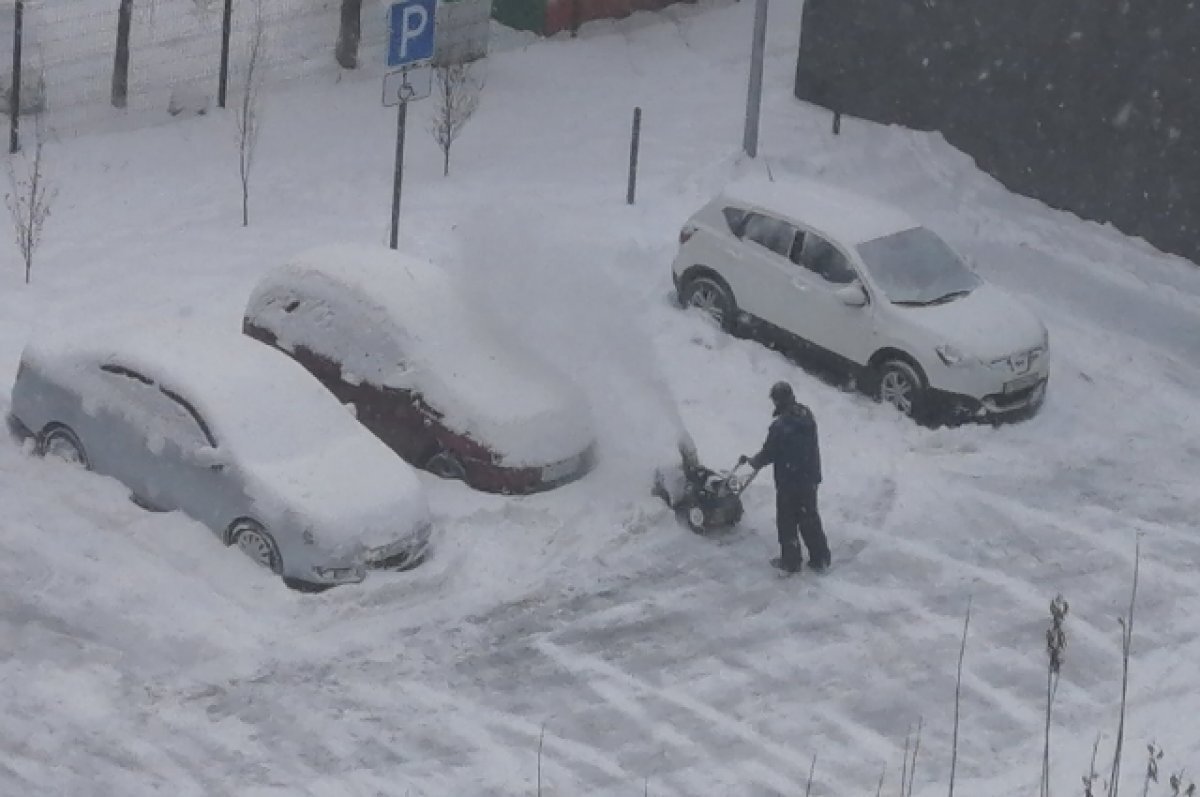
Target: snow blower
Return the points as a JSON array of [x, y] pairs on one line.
[[705, 500]]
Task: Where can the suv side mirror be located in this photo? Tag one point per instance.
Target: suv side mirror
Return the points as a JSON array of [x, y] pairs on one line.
[[209, 457], [852, 295]]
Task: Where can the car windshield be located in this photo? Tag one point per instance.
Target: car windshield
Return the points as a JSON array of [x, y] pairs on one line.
[[916, 267]]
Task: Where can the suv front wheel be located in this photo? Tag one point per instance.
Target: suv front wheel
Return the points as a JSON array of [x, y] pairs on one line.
[[711, 296], [902, 386]]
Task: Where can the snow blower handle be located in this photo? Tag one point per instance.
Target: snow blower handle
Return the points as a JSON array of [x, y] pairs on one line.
[[738, 487]]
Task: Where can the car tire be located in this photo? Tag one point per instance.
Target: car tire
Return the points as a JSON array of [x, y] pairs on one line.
[[60, 441], [900, 384], [712, 296], [446, 466], [257, 543]]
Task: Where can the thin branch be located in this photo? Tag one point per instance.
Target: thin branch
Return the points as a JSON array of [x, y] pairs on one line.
[[811, 769], [1126, 646], [912, 771], [541, 739], [962, 652]]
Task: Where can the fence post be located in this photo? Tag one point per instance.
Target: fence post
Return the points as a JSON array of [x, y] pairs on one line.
[[14, 93], [226, 31], [633, 154]]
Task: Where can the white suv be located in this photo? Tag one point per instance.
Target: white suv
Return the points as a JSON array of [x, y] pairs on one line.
[[865, 287]]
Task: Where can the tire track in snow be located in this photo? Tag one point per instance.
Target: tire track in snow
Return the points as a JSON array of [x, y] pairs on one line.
[[586, 664], [1123, 551], [586, 755], [1019, 590]]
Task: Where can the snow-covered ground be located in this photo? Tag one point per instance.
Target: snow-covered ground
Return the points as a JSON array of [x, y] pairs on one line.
[[140, 657]]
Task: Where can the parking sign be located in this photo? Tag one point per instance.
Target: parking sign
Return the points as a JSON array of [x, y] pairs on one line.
[[410, 32]]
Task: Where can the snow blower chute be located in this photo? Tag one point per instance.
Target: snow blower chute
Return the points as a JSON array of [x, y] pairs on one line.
[[705, 500]]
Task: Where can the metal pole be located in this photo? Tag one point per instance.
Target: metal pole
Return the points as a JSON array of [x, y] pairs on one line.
[[754, 94], [633, 155], [14, 94], [401, 120], [226, 32]]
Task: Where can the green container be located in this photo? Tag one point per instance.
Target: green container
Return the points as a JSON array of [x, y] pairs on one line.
[[521, 14]]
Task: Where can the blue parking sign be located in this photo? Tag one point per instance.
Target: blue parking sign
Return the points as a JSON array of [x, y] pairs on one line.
[[410, 32]]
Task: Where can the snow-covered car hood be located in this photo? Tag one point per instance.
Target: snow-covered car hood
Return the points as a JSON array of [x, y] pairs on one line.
[[988, 323], [353, 495], [507, 400]]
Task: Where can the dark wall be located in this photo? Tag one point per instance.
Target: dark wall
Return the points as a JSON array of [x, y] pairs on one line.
[[1091, 106]]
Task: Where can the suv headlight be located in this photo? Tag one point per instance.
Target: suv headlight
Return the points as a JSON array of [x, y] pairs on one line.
[[950, 355]]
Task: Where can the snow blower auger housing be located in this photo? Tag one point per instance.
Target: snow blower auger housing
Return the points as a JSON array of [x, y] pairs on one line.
[[705, 500]]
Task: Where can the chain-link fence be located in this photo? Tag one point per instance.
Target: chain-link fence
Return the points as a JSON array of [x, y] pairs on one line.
[[68, 46]]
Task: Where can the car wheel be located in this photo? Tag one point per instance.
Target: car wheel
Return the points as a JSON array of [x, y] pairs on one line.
[[447, 466], [257, 543], [61, 442], [709, 295], [901, 385]]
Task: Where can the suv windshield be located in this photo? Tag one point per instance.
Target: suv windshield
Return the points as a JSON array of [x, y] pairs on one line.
[[916, 267]]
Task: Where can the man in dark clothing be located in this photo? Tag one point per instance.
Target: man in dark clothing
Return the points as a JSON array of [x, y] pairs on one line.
[[792, 446]]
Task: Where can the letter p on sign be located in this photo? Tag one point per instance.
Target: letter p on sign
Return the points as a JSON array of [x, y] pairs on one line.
[[411, 32]]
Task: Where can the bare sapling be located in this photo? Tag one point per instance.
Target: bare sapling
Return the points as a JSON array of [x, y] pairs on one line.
[[962, 652], [912, 767], [459, 87], [1181, 787], [248, 114], [1089, 779], [541, 740], [1154, 754], [1056, 645], [1126, 646], [812, 768], [30, 196]]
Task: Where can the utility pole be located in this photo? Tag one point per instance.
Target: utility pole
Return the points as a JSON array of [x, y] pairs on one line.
[[14, 93], [226, 31], [754, 94]]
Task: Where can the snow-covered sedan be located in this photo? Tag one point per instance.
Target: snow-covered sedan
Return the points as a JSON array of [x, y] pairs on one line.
[[233, 435], [429, 373], [867, 289]]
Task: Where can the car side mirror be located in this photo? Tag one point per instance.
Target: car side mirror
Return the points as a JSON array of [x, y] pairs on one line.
[[209, 457], [852, 295]]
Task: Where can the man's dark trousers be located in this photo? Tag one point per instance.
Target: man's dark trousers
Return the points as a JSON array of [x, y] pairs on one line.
[[796, 516]]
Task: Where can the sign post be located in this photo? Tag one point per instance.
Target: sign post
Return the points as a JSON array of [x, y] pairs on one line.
[[410, 50]]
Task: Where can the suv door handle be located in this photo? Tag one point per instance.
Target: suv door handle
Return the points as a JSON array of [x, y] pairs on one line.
[[798, 285]]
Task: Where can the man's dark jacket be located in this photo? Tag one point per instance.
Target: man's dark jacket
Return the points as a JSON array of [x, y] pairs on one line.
[[793, 447]]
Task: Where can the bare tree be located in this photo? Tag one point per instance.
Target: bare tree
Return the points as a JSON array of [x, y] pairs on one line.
[[349, 34], [30, 197], [458, 90], [248, 114]]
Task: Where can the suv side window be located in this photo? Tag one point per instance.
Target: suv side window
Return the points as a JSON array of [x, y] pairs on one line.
[[192, 426], [776, 235], [824, 260], [735, 218]]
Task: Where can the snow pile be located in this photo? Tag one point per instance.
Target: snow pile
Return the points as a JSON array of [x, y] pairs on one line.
[[399, 321], [583, 321]]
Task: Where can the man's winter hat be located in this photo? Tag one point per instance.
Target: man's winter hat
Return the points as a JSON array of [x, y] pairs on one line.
[[781, 394]]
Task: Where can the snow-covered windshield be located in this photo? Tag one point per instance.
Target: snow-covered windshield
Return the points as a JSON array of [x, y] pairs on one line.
[[916, 267]]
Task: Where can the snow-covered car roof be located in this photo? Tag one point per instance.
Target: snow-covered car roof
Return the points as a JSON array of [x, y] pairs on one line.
[[849, 217], [434, 341], [262, 404]]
